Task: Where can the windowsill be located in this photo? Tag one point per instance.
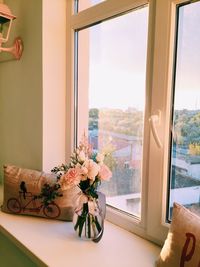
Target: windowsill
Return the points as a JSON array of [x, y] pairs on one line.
[[55, 244]]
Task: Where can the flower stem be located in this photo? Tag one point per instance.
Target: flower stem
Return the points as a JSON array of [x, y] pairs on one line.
[[98, 226], [81, 220], [89, 224]]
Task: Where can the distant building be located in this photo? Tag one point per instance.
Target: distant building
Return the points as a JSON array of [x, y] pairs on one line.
[[194, 167]]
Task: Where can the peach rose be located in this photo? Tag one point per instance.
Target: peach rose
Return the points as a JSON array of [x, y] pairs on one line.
[[70, 178], [105, 174]]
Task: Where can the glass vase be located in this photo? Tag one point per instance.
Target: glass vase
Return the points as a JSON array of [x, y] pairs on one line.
[[89, 214]]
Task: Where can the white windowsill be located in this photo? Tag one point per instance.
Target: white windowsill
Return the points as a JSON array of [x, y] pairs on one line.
[[54, 243]]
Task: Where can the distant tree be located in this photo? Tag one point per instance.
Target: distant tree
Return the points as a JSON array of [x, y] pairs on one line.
[[194, 149], [187, 126], [93, 118], [94, 113]]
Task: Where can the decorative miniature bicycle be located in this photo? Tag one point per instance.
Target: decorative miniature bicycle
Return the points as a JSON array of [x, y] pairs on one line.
[[16, 206]]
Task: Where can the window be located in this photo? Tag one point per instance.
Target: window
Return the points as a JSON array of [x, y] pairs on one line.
[[111, 62], [124, 85], [185, 142]]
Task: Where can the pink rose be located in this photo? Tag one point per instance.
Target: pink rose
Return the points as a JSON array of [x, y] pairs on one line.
[[105, 174], [70, 178]]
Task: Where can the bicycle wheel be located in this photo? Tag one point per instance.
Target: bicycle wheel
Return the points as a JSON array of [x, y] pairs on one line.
[[51, 211], [14, 205]]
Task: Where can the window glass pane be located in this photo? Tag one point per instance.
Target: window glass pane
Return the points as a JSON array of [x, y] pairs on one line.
[[185, 147], [84, 4], [111, 94]]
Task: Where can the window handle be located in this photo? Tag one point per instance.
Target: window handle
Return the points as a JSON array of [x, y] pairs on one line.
[[155, 120]]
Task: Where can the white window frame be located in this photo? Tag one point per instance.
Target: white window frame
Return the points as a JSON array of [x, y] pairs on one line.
[[160, 51], [162, 89]]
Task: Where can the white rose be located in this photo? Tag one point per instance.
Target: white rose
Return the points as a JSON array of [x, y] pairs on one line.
[[92, 168], [100, 158], [81, 156], [84, 170]]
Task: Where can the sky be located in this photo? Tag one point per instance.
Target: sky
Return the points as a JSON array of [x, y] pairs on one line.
[[188, 58], [117, 60], [83, 4]]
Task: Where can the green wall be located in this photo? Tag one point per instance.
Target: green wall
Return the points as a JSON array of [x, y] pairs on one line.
[[11, 256], [40, 73], [21, 91]]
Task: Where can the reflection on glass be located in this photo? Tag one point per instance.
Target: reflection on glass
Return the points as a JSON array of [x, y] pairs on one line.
[[185, 147], [112, 69]]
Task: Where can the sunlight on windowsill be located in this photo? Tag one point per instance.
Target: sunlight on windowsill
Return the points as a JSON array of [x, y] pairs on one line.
[[61, 238]]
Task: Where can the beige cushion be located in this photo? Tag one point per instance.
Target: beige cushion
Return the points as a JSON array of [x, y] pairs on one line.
[[15, 202], [182, 246]]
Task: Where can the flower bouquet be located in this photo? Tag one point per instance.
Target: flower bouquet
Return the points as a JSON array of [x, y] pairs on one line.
[[86, 170]]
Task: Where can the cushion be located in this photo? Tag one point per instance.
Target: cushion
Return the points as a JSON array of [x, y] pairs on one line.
[[182, 246], [22, 194]]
